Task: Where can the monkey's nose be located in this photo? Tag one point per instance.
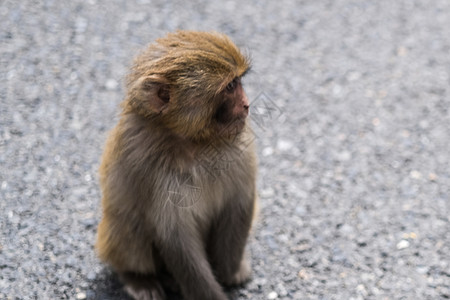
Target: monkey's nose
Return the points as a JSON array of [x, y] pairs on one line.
[[246, 107]]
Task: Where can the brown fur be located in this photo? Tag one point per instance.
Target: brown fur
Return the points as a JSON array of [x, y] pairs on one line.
[[178, 171]]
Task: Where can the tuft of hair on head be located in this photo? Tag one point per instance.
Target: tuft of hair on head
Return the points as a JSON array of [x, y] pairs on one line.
[[189, 64]]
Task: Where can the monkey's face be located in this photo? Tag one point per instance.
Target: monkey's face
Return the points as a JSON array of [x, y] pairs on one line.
[[200, 118], [229, 117]]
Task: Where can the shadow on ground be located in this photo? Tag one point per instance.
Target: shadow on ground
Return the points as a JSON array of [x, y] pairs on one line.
[[106, 286]]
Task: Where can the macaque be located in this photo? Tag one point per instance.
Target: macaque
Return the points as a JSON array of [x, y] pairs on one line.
[[178, 171]]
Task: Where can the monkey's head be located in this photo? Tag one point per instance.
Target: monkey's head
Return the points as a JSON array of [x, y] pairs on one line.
[[190, 83]]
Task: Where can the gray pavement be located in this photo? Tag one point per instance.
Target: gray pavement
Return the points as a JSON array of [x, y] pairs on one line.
[[351, 111]]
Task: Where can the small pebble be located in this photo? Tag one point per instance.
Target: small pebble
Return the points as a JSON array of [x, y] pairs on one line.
[[266, 193], [402, 244], [267, 151], [284, 145], [415, 174], [111, 84]]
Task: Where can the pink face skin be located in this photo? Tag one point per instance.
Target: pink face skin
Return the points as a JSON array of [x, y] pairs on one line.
[[232, 113], [236, 94], [235, 102]]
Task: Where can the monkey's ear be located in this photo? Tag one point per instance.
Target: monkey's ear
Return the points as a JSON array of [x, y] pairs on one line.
[[154, 90]]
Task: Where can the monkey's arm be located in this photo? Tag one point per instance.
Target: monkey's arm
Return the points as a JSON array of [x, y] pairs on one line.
[[230, 230], [227, 243], [185, 258]]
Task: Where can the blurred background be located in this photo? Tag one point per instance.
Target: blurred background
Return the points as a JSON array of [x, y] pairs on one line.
[[350, 104]]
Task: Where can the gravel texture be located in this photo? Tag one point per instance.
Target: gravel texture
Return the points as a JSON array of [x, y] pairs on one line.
[[351, 111]]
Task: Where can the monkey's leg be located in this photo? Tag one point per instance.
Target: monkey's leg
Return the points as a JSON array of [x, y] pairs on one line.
[[131, 254], [142, 287], [185, 257], [227, 242]]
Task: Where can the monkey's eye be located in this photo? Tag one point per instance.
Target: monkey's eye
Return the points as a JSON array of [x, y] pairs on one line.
[[232, 85]]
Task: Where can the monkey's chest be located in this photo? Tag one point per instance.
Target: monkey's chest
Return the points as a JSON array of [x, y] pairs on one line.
[[216, 185]]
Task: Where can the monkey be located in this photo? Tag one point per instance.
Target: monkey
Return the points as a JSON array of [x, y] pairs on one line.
[[178, 172]]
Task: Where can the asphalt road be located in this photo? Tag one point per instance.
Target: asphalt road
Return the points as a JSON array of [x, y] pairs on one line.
[[351, 110]]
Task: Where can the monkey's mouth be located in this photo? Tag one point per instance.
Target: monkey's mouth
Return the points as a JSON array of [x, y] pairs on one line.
[[231, 128], [229, 122], [223, 114]]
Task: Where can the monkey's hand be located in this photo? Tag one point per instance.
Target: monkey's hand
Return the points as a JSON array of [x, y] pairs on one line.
[[141, 287], [185, 258], [149, 293], [242, 275]]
